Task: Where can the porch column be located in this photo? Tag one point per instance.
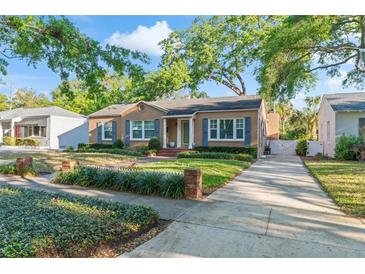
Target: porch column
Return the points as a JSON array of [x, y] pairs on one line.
[[1, 133], [164, 129], [178, 136], [191, 133], [12, 128]]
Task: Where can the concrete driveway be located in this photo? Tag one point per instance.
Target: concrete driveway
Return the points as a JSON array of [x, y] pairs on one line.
[[273, 209]]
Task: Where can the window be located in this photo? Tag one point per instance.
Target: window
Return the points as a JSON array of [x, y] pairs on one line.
[[36, 130], [43, 131], [226, 129], [362, 127], [239, 128], [328, 132], [107, 131], [213, 129], [142, 130]]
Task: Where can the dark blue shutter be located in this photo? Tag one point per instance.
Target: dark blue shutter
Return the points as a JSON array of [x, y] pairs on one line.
[[157, 127], [127, 132], [100, 133], [247, 131], [114, 131], [205, 132]]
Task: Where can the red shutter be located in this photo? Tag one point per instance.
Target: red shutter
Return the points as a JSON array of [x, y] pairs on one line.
[[17, 131]]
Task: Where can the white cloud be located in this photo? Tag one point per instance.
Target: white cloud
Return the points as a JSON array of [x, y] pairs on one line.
[[298, 101], [335, 83], [144, 38]]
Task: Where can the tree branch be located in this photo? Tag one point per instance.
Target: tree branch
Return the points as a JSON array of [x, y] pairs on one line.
[[333, 65], [242, 83], [227, 84]]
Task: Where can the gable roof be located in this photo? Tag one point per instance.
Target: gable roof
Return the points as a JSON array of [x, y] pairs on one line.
[[190, 106], [354, 101], [32, 112]]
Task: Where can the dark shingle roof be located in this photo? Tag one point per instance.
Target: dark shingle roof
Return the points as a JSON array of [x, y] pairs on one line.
[[190, 106], [346, 101], [32, 112]]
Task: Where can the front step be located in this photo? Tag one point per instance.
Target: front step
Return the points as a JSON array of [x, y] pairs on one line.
[[171, 152]]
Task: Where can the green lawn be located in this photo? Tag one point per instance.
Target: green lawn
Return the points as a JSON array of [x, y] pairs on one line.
[[39, 224], [50, 161], [215, 172], [344, 182]]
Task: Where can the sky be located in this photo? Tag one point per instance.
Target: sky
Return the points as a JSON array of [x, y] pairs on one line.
[[139, 33]]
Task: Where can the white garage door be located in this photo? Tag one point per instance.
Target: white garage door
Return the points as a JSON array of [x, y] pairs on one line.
[[283, 147]]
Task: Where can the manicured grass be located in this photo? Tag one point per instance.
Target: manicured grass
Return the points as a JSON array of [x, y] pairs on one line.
[[344, 182], [45, 161], [215, 172], [39, 224]]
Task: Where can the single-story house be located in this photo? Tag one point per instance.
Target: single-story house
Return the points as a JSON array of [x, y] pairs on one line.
[[53, 126], [236, 121], [340, 114]]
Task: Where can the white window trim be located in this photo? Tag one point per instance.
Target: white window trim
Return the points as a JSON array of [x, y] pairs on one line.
[[143, 129], [102, 132], [328, 132], [40, 131], [218, 139]]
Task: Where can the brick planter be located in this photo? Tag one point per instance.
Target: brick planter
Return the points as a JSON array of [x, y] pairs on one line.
[[23, 164], [68, 165], [193, 183]]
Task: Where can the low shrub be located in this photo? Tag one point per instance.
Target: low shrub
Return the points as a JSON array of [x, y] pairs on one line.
[[166, 184], [13, 141], [151, 152], [118, 144], [9, 141], [111, 151], [154, 143], [40, 224], [301, 147], [141, 149], [215, 155], [69, 149], [247, 150], [345, 147], [94, 146], [11, 169]]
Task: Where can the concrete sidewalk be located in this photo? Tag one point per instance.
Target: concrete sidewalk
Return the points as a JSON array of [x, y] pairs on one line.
[[273, 209], [168, 209]]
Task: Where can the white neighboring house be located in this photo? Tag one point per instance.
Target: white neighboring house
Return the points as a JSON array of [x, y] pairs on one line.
[[340, 114], [54, 127]]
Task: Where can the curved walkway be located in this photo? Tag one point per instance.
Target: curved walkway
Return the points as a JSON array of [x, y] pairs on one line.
[[273, 209]]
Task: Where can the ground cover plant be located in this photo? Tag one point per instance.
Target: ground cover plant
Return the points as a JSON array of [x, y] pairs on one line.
[[344, 181], [39, 224], [165, 184], [216, 172], [247, 150]]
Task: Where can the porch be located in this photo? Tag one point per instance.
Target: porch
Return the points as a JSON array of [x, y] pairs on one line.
[[178, 132]]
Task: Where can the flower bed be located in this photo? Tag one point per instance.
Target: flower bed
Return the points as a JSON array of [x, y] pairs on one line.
[[39, 224], [215, 155], [166, 184]]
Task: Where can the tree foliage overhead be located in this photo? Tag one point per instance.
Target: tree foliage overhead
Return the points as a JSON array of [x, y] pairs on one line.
[[67, 52], [300, 46], [219, 48], [27, 98]]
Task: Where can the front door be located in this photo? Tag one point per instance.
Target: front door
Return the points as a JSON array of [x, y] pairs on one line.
[[185, 133]]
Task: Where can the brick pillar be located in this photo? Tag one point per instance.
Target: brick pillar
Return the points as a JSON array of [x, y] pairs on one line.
[[68, 165], [193, 183], [23, 164]]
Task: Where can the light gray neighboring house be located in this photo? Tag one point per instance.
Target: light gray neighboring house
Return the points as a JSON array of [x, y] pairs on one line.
[[56, 128], [340, 114]]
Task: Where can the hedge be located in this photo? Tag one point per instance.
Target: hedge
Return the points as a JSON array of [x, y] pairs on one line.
[[13, 141], [94, 146], [345, 146], [40, 224], [111, 151], [166, 184], [247, 150], [215, 155], [11, 169]]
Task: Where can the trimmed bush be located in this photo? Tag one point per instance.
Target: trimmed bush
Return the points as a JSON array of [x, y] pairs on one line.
[[166, 184], [94, 146], [215, 155], [40, 224], [345, 147], [154, 143], [301, 147], [111, 151], [118, 144], [247, 150], [151, 152], [12, 141]]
